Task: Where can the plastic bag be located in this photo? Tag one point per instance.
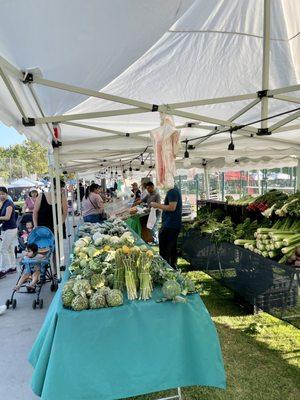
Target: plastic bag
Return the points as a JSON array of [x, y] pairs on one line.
[[152, 218]]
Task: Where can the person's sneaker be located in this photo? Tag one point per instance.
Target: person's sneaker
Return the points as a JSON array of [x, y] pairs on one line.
[[11, 270], [2, 274]]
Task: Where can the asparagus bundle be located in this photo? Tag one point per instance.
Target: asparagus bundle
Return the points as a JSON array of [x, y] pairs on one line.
[[146, 288]]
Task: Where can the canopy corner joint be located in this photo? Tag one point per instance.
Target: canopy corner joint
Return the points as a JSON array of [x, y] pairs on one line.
[[28, 122], [262, 93], [27, 77], [263, 132]]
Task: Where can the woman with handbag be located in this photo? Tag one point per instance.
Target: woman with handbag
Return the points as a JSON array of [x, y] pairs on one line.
[[8, 235], [92, 204]]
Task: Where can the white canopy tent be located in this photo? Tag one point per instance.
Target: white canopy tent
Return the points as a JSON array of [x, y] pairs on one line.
[[212, 64], [207, 62]]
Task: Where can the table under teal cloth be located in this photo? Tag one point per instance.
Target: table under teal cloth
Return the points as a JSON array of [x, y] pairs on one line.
[[135, 224], [114, 353]]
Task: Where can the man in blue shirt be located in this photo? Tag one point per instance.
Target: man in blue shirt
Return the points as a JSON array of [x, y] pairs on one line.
[[171, 225]]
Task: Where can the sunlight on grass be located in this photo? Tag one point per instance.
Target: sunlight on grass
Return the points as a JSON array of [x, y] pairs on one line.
[[261, 353]]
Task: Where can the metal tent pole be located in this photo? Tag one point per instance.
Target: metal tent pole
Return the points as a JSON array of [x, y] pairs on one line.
[[59, 211], [78, 194], [74, 226], [266, 62], [298, 175], [69, 234], [53, 201], [223, 185], [206, 182]]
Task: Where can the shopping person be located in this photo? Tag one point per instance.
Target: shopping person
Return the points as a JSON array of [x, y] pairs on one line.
[[8, 234], [171, 225], [152, 196], [42, 212], [30, 201], [92, 204], [136, 193]]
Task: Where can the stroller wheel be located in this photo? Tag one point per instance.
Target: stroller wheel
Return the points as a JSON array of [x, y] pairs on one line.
[[54, 287], [41, 303], [34, 304], [7, 303], [14, 303]]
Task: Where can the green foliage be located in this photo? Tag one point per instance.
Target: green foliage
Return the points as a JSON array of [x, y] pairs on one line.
[[23, 159]]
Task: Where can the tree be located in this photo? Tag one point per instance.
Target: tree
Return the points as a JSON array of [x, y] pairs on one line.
[[23, 159]]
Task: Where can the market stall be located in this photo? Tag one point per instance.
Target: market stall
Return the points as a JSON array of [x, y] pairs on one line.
[[144, 346], [252, 246]]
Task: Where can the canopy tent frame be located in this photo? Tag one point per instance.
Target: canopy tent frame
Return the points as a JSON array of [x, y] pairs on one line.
[[163, 108], [33, 77]]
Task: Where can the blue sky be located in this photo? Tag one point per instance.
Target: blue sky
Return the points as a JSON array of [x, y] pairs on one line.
[[9, 136]]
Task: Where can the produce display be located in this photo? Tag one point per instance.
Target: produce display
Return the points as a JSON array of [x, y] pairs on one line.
[[267, 200], [281, 241], [275, 236], [108, 263], [243, 201]]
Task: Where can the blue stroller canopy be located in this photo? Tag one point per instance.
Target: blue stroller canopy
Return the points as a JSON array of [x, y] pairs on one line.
[[42, 237]]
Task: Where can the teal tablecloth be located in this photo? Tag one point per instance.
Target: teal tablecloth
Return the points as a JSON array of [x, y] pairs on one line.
[[113, 353], [134, 224]]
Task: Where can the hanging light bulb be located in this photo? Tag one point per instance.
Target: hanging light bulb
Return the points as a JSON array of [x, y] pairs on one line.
[[130, 170], [142, 164], [187, 161], [231, 144]]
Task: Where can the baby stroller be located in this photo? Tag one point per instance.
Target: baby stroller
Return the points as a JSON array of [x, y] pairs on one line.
[[44, 239], [21, 226]]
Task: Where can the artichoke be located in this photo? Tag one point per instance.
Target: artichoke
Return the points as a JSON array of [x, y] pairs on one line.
[[110, 280], [68, 285], [97, 300], [82, 287], [87, 273], [114, 298], [171, 289], [80, 303], [67, 297], [104, 290], [95, 265], [97, 281]]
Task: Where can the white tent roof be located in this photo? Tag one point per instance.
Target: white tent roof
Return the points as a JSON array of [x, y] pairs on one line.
[[22, 183], [201, 49]]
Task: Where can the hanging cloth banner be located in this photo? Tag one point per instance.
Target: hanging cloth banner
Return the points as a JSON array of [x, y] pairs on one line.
[[166, 144]]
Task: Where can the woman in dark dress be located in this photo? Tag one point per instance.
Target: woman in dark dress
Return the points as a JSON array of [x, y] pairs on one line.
[[8, 234], [42, 213]]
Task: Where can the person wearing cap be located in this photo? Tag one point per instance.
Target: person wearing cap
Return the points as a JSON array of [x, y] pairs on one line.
[[152, 196], [136, 193]]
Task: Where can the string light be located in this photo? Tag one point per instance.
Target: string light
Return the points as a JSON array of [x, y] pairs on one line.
[[187, 160], [231, 144], [142, 164]]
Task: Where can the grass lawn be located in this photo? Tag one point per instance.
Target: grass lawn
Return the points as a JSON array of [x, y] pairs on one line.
[[261, 353]]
